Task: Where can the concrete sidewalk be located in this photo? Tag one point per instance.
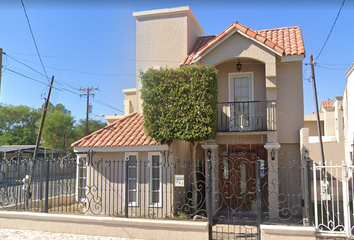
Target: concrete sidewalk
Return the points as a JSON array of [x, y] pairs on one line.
[[6, 234]]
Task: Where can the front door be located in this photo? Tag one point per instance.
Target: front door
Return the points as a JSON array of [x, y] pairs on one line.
[[237, 174]]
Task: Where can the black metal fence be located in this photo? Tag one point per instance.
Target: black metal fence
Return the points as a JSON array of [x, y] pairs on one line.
[[235, 195], [156, 188]]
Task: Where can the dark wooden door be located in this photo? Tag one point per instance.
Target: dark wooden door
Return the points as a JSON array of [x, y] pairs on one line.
[[237, 174]]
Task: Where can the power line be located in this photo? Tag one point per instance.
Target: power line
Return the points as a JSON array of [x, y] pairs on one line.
[[331, 30], [25, 65], [70, 70], [34, 40], [106, 105], [338, 69], [26, 76]]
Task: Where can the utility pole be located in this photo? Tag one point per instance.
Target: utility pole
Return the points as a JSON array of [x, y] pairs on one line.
[[88, 103], [316, 105], [1, 53], [28, 189]]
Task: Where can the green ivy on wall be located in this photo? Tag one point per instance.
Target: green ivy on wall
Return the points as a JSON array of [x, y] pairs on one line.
[[180, 103]]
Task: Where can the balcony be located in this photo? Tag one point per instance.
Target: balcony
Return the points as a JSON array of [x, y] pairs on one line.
[[247, 116]]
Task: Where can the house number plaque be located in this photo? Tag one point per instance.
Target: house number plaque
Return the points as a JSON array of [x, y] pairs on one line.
[[179, 180]]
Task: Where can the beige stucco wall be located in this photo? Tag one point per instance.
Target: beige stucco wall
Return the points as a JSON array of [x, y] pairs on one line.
[[333, 151], [106, 186], [241, 138], [290, 109], [278, 232], [245, 48], [105, 226], [258, 70], [329, 122], [312, 126], [130, 102], [348, 108], [163, 40]]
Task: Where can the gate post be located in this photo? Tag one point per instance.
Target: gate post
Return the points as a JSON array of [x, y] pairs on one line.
[[273, 179], [209, 199], [126, 185], [308, 186], [46, 187], [346, 209], [259, 200]]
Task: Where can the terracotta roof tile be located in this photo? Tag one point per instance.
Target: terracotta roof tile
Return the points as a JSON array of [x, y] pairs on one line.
[[127, 131], [286, 41], [327, 104]]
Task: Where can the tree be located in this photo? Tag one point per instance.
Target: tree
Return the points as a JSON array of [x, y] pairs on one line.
[[18, 125], [58, 130], [94, 125], [180, 104]]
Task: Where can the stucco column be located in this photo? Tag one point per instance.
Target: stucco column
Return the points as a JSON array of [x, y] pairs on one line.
[[273, 179], [214, 147]]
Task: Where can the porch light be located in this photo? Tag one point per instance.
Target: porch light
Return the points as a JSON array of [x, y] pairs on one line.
[[239, 66], [209, 154], [272, 154]]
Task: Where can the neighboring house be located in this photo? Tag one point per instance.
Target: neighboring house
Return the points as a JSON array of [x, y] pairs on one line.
[[348, 106], [337, 128], [27, 151], [260, 95], [332, 131], [11, 156]]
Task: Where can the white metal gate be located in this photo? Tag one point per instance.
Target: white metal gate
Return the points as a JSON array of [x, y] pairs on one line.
[[333, 198]]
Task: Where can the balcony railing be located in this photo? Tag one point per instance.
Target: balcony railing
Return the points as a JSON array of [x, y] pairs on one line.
[[247, 116]]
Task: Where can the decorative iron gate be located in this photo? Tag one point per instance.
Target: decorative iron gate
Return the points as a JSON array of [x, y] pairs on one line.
[[247, 190], [333, 198], [234, 196]]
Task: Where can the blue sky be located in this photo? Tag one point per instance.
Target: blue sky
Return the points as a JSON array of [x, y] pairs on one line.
[[92, 44]]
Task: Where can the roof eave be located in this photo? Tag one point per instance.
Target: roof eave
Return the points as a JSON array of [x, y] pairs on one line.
[[124, 148], [197, 57]]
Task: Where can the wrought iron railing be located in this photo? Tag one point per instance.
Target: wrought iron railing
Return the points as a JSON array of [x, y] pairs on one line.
[[247, 116], [237, 191], [97, 187]]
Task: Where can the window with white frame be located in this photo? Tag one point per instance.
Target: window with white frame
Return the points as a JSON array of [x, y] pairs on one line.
[[133, 179], [155, 179], [81, 179]]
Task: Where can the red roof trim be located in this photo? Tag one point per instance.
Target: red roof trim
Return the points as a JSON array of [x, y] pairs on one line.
[[286, 41]]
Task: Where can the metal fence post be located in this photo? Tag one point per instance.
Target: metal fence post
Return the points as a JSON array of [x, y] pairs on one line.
[[259, 198], [209, 198], [315, 194], [309, 200], [126, 185], [46, 187], [346, 209]]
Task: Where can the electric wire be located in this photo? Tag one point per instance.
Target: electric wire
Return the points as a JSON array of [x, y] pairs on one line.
[[336, 69], [106, 105], [330, 32], [63, 89], [34, 40], [33, 79], [25, 65]]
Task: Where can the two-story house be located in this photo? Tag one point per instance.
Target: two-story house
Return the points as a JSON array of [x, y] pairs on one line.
[[260, 110]]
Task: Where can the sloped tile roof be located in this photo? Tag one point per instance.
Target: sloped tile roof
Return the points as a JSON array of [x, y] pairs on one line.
[[327, 104], [124, 132], [286, 41]]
